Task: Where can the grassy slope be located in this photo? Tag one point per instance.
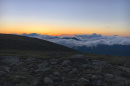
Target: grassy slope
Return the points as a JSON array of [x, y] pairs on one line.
[[16, 42]]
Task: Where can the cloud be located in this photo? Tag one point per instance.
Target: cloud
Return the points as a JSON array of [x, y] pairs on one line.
[[83, 40]]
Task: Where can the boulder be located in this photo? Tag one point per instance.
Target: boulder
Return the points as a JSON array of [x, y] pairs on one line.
[[74, 70], [11, 60], [96, 77], [66, 63], [30, 59], [56, 73], [110, 76], [127, 64], [48, 80], [82, 80], [100, 64], [126, 69], [44, 66], [5, 69], [54, 61], [99, 83], [2, 73]]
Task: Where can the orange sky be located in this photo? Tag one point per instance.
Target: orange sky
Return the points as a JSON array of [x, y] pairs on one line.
[[106, 17], [58, 30]]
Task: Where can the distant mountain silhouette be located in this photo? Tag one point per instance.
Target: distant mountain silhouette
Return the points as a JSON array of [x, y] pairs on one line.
[[32, 34], [17, 42], [120, 50], [71, 38]]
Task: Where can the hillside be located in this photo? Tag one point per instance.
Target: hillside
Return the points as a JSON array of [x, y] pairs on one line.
[[23, 63], [16, 42]]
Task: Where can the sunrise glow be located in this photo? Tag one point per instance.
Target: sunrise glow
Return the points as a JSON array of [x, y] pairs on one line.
[[70, 17]]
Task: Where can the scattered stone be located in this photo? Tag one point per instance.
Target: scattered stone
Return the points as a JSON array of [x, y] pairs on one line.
[[126, 69], [4, 68], [81, 80], [127, 64], [66, 69], [85, 65], [33, 71], [74, 70], [44, 66], [66, 62], [109, 76], [54, 61], [11, 60], [56, 73], [99, 64], [48, 80], [2, 73], [72, 84], [99, 83], [30, 59], [8, 84], [96, 77]]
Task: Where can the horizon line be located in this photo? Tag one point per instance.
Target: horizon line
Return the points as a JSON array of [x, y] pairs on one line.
[[68, 34]]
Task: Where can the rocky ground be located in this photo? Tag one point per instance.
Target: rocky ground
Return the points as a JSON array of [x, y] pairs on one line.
[[78, 70]]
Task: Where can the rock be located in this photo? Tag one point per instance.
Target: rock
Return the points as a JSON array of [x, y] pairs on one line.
[[44, 66], [66, 63], [54, 61], [73, 85], [48, 80], [56, 73], [2, 73], [126, 69], [43, 69], [7, 84], [74, 70], [85, 65], [79, 59], [110, 76], [100, 64], [127, 64], [4, 68], [96, 77], [66, 69], [22, 84], [30, 59], [81, 80], [11, 60], [99, 83]]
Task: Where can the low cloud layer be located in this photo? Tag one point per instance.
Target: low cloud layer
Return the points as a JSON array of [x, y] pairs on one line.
[[83, 40]]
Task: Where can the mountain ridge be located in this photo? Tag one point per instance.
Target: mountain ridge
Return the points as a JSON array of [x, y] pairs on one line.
[[17, 42]]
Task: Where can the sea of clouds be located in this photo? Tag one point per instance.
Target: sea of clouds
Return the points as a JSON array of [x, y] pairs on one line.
[[83, 40]]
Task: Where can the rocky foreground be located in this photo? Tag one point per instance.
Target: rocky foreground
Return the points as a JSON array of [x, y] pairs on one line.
[[78, 70]]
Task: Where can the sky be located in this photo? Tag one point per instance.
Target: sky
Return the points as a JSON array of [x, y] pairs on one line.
[[56, 17]]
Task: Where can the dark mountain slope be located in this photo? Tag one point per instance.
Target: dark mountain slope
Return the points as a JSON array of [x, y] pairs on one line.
[[16, 42]]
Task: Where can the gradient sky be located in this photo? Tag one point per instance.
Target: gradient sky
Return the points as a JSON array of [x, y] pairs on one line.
[[54, 17]]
